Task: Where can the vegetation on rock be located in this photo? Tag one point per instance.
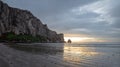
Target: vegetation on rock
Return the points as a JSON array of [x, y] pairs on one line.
[[12, 37]]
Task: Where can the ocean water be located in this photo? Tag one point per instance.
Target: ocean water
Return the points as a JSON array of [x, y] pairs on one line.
[[90, 55]]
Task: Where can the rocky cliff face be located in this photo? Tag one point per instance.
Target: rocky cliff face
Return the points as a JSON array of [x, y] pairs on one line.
[[23, 22]]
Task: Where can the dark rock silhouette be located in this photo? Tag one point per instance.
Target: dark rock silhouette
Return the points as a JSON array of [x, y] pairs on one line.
[[69, 41], [22, 22]]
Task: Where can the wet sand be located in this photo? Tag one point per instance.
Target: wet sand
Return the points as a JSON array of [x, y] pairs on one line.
[[3, 63], [16, 58], [72, 56]]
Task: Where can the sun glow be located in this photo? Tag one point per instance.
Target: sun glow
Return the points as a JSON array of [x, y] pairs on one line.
[[81, 38]]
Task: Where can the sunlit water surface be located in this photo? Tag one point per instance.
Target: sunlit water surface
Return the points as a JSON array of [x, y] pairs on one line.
[[89, 55]]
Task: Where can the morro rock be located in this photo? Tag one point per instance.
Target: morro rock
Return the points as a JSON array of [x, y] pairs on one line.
[[22, 22]]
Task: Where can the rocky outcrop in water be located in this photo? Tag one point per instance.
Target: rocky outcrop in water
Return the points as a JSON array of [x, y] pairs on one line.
[[23, 22]]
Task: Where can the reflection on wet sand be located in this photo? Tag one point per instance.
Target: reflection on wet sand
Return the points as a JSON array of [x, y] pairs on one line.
[[77, 54], [86, 55], [38, 48]]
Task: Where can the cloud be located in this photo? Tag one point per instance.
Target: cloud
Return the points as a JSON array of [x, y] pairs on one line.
[[48, 7], [116, 23]]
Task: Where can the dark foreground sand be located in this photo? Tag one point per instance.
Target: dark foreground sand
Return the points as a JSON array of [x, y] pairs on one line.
[[10, 57], [3, 63]]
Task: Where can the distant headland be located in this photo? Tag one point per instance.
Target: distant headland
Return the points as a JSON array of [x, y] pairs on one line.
[[17, 25]]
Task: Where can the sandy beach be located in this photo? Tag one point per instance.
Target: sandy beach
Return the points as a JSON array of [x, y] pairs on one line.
[[3, 63]]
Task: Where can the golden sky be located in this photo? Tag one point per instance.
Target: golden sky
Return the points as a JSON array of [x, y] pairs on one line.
[[81, 38]]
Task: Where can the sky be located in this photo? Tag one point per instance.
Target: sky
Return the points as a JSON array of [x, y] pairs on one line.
[[79, 20]]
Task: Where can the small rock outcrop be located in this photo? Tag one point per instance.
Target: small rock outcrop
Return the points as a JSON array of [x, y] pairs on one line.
[[23, 22], [69, 41]]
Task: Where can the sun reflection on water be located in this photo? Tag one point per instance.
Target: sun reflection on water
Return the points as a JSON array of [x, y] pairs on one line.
[[78, 54]]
